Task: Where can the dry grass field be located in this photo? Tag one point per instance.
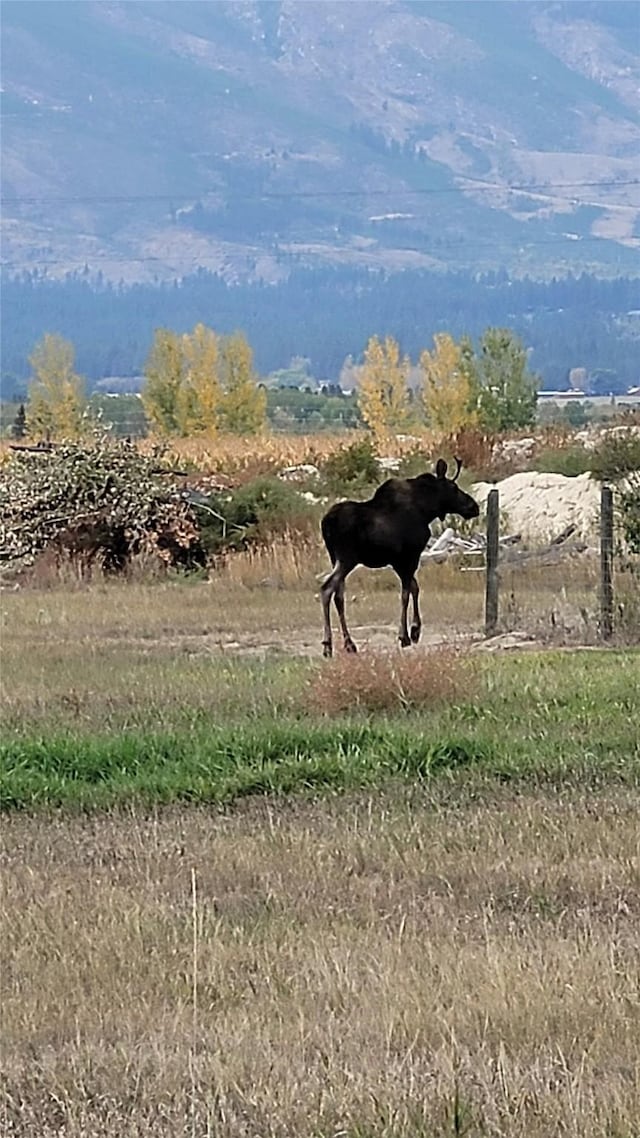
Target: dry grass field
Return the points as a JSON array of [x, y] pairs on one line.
[[425, 964], [436, 934], [230, 453]]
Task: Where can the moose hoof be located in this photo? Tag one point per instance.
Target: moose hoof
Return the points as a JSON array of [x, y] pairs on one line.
[[415, 633], [350, 647], [327, 651], [404, 642]]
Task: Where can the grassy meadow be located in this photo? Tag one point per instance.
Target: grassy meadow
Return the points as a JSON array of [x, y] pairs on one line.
[[248, 892]]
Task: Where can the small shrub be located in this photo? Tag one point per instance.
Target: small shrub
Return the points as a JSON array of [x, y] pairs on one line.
[[616, 457], [570, 461], [628, 597], [352, 470], [390, 681], [254, 513]]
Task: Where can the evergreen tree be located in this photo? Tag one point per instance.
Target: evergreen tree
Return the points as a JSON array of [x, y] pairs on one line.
[[19, 428]]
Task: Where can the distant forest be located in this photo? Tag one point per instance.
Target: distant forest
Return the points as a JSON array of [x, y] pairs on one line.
[[326, 315]]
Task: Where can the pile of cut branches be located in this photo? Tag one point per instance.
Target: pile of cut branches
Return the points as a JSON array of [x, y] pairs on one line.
[[102, 502]]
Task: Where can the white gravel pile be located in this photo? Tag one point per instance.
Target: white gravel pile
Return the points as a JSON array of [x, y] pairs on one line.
[[540, 506]]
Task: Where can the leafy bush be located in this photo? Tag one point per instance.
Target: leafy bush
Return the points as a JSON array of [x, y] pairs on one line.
[[474, 447], [617, 456], [414, 462], [103, 502], [352, 470], [252, 513], [570, 461]]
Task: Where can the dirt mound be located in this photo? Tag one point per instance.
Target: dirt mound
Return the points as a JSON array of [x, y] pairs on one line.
[[540, 506]]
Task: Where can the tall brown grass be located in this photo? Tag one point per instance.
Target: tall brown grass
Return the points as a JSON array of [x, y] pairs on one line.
[[266, 453]]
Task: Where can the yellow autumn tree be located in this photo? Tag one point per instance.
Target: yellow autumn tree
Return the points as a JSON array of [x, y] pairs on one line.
[[57, 402], [199, 396], [244, 405], [448, 390], [383, 392], [164, 371]]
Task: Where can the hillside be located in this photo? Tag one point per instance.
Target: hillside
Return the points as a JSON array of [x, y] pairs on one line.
[[147, 139]]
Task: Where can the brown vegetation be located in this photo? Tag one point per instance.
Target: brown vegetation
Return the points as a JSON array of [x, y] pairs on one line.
[[376, 967], [376, 681]]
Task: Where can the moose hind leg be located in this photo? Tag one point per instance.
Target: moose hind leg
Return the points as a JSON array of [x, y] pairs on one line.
[[338, 597], [416, 624], [326, 592]]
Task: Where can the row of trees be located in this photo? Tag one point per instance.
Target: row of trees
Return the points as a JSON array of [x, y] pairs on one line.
[[200, 382], [195, 383], [457, 387]]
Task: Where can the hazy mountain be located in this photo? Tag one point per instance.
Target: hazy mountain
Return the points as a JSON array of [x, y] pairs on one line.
[[147, 138]]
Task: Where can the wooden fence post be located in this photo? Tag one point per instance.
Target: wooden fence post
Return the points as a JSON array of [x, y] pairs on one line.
[[492, 581], [606, 563]]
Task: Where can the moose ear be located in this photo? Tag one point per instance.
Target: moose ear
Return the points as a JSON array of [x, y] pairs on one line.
[[441, 468]]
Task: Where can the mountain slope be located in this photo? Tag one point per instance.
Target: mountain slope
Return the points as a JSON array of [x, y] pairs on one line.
[[146, 138]]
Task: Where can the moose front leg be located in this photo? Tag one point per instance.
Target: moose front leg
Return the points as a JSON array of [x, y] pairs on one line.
[[403, 634]]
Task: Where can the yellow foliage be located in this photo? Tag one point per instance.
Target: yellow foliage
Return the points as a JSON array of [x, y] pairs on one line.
[[243, 409], [199, 382], [199, 394], [164, 371], [383, 393], [448, 390], [57, 402]]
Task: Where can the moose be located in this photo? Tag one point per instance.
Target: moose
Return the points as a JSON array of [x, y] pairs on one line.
[[391, 528]]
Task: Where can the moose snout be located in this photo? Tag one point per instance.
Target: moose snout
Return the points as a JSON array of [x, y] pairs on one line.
[[468, 508]]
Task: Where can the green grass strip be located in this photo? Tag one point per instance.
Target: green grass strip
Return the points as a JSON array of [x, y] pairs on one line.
[[223, 763]]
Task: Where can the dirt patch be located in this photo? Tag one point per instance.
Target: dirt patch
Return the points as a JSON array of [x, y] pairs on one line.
[[306, 643]]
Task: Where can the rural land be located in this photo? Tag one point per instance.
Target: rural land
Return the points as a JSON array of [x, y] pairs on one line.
[[320, 570]]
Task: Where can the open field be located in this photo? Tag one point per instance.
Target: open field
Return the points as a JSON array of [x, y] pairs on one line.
[[236, 903], [213, 690], [424, 964]]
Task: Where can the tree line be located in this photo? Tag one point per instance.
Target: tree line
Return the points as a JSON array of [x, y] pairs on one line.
[[458, 386], [201, 383], [327, 314]]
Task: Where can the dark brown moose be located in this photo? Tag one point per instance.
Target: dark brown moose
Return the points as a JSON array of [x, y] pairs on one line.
[[392, 528]]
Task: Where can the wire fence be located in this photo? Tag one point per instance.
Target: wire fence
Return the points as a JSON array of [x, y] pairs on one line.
[[567, 588]]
